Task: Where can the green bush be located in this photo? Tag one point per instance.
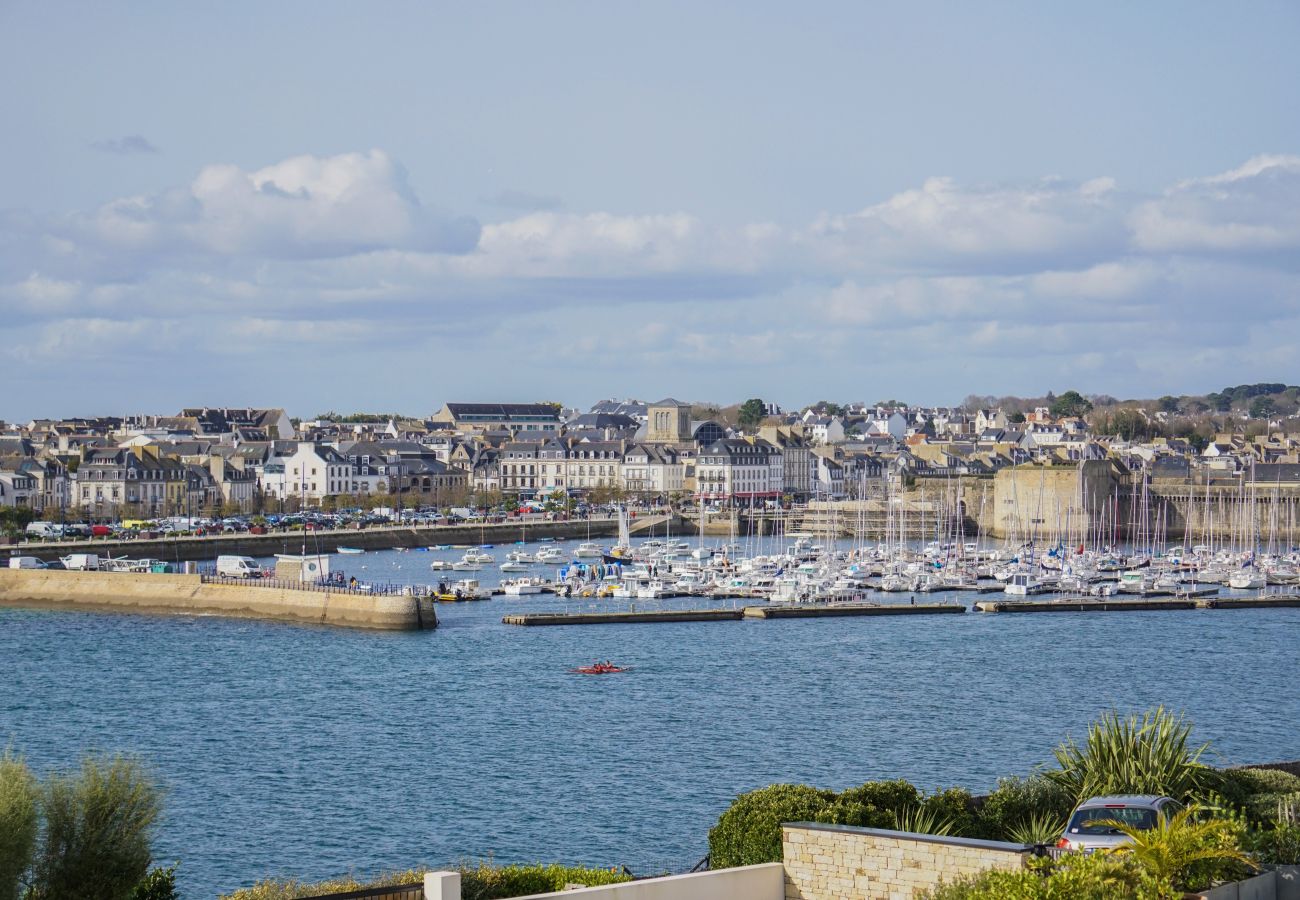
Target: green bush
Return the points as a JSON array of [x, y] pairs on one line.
[[483, 881], [1150, 754], [1238, 786], [954, 805], [159, 884], [1278, 846], [95, 844], [1262, 809], [749, 832], [1073, 877], [1017, 801], [292, 889], [875, 804], [488, 882], [18, 823]]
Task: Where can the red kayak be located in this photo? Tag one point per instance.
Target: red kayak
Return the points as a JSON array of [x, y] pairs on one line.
[[601, 669]]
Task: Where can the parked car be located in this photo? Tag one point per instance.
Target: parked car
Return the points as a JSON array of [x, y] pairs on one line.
[[1089, 828], [101, 531], [25, 562]]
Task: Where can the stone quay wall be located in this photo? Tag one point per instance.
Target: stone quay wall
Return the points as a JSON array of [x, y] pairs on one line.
[[827, 862], [189, 595]]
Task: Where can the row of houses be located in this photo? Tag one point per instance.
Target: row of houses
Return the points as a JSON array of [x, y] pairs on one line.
[[246, 457]]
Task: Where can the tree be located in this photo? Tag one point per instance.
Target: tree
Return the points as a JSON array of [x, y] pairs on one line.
[[1168, 403], [752, 412], [15, 519], [1071, 403], [18, 824], [97, 826], [1261, 407], [1016, 418]]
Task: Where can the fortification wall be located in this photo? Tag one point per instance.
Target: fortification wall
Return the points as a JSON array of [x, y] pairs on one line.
[[188, 595]]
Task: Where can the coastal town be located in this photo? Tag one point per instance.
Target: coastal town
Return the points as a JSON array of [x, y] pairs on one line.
[[210, 462]]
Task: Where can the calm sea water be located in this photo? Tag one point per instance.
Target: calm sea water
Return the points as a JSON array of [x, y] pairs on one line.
[[312, 752]]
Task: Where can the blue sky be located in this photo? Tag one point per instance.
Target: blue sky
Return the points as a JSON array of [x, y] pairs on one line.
[[391, 205]]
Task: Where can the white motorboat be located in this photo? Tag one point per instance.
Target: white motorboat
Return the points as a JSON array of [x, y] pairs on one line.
[[512, 566], [653, 590], [519, 587], [1022, 584], [588, 550]]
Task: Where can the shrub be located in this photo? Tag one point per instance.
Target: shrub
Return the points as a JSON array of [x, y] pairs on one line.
[[482, 881], [749, 831], [1073, 877], [1132, 755], [159, 884], [292, 889], [1238, 786], [95, 844], [1016, 801], [956, 806], [1264, 809], [18, 823], [488, 882], [1278, 846], [919, 820], [1039, 828], [875, 804]]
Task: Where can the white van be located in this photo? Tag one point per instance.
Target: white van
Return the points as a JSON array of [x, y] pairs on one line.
[[238, 567], [25, 562], [44, 530], [81, 562]]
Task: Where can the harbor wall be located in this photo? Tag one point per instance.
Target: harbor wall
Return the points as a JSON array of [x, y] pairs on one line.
[[189, 595], [1225, 512], [179, 549]]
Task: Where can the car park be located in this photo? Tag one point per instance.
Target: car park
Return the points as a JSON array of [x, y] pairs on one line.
[[1092, 825]]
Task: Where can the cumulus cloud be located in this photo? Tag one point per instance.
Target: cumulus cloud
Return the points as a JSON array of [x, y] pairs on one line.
[[1252, 209], [997, 287], [944, 226], [123, 146], [306, 206]]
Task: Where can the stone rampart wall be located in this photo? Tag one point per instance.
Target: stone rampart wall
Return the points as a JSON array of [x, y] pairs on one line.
[[188, 595]]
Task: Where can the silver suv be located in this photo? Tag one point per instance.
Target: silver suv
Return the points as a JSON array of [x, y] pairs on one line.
[[1088, 832]]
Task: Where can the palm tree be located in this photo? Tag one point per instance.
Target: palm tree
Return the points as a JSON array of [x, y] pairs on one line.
[[1184, 850]]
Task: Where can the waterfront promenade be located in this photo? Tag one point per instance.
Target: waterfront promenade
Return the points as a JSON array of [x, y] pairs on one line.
[[382, 537]]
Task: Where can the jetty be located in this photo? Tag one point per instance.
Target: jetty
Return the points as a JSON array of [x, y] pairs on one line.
[[823, 610], [623, 617], [1197, 600], [792, 611], [198, 595]]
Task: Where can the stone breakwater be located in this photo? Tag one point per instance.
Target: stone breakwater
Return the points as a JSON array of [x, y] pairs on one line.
[[189, 595]]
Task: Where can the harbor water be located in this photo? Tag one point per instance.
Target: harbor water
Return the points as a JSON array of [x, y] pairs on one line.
[[311, 752]]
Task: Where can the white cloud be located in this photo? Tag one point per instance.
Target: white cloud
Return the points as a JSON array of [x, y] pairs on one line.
[[1251, 209], [943, 226], [316, 259], [306, 206]]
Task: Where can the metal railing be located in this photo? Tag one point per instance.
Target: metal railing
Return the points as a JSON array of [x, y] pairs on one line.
[[332, 587]]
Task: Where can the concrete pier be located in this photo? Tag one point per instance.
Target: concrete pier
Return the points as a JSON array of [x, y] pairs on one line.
[[822, 610], [793, 611], [615, 617], [189, 595], [1136, 604]]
